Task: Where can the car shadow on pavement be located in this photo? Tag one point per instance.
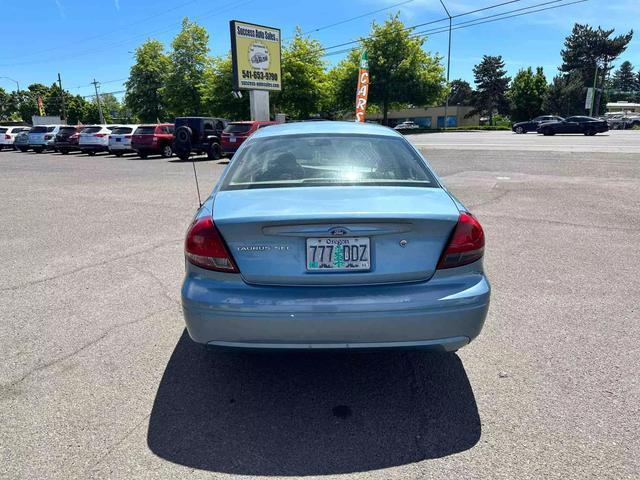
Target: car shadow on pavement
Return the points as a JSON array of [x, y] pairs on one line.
[[298, 414]]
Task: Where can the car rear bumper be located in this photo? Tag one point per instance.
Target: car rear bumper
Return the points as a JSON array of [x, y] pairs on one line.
[[149, 150], [445, 313], [93, 148], [121, 147]]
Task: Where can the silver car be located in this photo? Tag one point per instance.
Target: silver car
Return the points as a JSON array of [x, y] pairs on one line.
[[333, 235]]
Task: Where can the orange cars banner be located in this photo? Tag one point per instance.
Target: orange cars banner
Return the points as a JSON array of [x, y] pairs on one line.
[[363, 88], [40, 107]]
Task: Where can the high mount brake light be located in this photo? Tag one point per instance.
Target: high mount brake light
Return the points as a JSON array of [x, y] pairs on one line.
[[466, 244], [205, 247]]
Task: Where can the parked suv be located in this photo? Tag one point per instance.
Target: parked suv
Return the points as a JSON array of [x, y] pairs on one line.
[[8, 135], [42, 137], [21, 142], [120, 140], [237, 132], [198, 135], [154, 139], [67, 139], [95, 138]]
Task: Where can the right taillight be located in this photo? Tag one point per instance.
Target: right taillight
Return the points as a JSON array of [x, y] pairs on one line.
[[205, 247], [466, 244]]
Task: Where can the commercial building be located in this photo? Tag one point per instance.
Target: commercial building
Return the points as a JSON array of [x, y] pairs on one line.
[[623, 107], [430, 117]]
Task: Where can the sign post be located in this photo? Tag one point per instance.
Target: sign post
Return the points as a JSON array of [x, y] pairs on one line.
[[363, 88], [255, 55]]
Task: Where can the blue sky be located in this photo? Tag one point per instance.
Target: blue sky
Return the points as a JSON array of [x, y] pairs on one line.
[[84, 39]]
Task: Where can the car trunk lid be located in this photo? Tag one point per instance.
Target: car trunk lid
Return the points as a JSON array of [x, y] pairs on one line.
[[267, 230]]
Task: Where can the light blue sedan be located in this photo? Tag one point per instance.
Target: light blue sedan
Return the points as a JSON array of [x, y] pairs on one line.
[[333, 235]]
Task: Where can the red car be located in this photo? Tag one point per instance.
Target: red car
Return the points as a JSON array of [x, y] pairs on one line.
[[67, 139], [237, 132], [154, 139]]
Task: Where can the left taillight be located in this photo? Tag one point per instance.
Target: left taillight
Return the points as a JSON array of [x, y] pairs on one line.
[[205, 247], [466, 244], [7, 136]]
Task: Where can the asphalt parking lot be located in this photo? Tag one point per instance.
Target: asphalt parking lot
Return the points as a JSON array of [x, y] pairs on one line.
[[99, 380]]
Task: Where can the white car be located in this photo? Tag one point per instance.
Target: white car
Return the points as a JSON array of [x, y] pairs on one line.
[[120, 139], [95, 138], [406, 126], [42, 137], [8, 135]]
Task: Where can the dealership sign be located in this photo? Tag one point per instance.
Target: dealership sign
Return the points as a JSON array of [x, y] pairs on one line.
[[255, 52]]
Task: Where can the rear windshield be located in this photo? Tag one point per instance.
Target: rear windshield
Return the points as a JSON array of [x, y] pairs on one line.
[[67, 129], [90, 129], [145, 130], [38, 129], [237, 128], [121, 130], [319, 160]]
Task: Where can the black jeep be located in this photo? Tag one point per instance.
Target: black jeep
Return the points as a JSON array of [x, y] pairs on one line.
[[198, 135]]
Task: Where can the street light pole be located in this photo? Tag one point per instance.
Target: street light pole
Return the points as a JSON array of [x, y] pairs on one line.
[[446, 105], [14, 81]]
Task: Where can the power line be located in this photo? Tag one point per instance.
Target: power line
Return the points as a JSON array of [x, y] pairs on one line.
[[431, 22], [460, 25], [341, 22], [481, 21], [208, 14], [120, 27]]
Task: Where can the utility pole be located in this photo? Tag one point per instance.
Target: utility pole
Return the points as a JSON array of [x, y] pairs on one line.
[[95, 85], [593, 99], [64, 110], [446, 105]]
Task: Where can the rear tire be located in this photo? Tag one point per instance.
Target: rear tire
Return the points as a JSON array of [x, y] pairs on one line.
[[520, 130], [91, 153], [38, 150], [118, 154], [23, 149], [143, 156], [214, 152], [547, 132], [167, 152], [183, 157], [64, 151]]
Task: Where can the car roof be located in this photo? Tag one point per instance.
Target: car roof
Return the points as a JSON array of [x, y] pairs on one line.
[[326, 127]]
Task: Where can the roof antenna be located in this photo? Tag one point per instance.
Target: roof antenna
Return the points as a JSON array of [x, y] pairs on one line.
[[195, 174]]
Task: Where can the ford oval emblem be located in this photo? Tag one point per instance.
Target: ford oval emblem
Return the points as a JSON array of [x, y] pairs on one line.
[[337, 232]]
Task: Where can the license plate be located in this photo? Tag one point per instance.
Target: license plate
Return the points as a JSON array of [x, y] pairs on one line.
[[338, 254], [232, 139]]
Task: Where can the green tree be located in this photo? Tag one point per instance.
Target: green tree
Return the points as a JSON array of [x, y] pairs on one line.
[[624, 85], [7, 107], [216, 92], [305, 88], [491, 87], [146, 79], [342, 83], [588, 48], [401, 72], [27, 100], [189, 61], [565, 95], [461, 93], [527, 94]]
